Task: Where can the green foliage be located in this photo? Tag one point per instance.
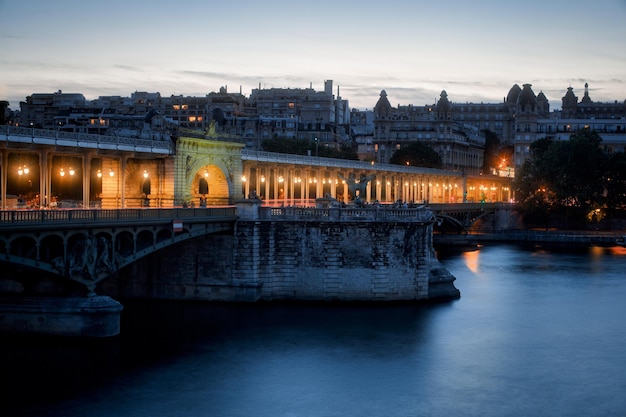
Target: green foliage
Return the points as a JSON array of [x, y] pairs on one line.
[[491, 158], [303, 147], [4, 109], [570, 179], [417, 154], [616, 182]]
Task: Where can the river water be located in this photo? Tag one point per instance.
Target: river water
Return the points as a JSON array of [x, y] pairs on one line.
[[535, 333]]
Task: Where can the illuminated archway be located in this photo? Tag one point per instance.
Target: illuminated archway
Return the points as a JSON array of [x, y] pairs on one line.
[[216, 162]]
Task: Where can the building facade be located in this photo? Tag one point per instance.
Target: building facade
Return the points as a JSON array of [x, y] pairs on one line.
[[455, 130], [460, 145]]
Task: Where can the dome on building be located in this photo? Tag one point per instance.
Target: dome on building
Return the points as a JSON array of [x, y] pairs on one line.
[[443, 105], [513, 94], [382, 106], [527, 97]]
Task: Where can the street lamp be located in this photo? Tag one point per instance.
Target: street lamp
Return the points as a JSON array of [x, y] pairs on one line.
[[316, 145]]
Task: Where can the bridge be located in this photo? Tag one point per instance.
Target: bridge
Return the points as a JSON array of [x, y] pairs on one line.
[[79, 209], [52, 169], [87, 246]]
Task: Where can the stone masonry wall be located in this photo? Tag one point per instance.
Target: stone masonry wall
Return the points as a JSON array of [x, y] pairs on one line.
[[334, 261], [293, 260]]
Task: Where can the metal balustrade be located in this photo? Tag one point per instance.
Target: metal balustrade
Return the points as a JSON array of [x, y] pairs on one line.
[[84, 140], [12, 219]]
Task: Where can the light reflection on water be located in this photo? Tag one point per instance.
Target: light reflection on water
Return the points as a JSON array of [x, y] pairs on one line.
[[535, 333]]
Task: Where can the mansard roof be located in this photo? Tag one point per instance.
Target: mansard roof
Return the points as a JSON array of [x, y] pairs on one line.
[[569, 97], [443, 105], [541, 97], [383, 105]]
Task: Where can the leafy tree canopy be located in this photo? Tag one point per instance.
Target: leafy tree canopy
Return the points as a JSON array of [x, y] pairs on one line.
[[570, 178], [417, 154], [4, 109]]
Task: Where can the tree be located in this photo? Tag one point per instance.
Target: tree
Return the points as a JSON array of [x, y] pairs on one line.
[[615, 192], [491, 158], [568, 178], [416, 154], [4, 110], [303, 147]]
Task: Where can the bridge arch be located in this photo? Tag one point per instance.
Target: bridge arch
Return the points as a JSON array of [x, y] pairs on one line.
[[217, 191], [218, 163]]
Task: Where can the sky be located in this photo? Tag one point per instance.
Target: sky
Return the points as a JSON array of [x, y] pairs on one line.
[[413, 49]]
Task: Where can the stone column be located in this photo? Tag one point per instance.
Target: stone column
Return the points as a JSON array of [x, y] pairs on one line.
[[86, 167]]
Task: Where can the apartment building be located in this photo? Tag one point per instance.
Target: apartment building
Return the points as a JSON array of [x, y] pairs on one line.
[[455, 130], [533, 121], [39, 109], [460, 145]]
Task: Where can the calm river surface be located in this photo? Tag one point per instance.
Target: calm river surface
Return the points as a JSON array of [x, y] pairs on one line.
[[535, 333]]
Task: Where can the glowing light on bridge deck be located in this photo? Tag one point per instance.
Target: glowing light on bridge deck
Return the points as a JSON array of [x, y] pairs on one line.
[[145, 173]]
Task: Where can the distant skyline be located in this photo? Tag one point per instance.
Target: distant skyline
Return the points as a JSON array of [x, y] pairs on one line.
[[413, 50]]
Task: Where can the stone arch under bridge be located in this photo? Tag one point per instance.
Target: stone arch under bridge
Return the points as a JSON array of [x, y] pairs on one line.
[[218, 163]]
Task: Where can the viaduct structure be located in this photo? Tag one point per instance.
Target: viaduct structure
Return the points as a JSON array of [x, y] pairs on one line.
[[51, 169], [205, 219]]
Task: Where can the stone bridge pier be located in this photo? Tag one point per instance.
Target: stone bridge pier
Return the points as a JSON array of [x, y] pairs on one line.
[[336, 254], [298, 253], [327, 253]]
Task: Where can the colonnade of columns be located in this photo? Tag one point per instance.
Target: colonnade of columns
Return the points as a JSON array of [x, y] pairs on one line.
[[52, 179], [90, 179], [298, 185]]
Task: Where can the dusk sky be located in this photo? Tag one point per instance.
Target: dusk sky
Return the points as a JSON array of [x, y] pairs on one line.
[[412, 49]]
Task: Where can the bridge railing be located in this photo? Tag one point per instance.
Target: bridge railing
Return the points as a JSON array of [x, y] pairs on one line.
[[84, 140], [420, 214], [14, 218]]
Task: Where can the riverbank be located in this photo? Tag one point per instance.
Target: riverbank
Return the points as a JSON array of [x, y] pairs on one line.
[[537, 237]]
